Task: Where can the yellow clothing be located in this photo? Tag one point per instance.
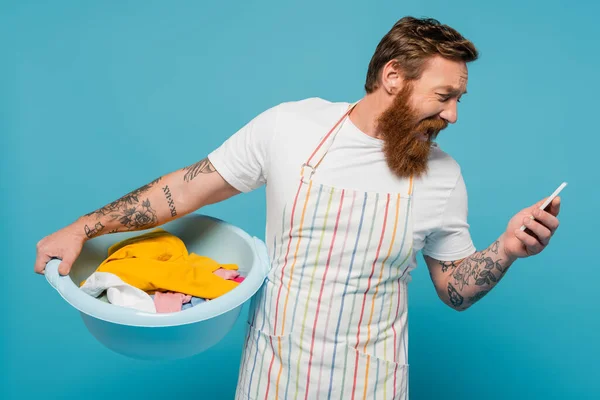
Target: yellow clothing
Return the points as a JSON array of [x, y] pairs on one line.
[[159, 261]]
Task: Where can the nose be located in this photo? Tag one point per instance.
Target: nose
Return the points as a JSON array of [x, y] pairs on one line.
[[450, 113]]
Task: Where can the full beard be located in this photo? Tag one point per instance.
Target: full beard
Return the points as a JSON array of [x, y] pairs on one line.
[[406, 154]]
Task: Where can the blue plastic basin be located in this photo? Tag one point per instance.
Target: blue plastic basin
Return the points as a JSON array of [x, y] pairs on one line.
[[175, 335]]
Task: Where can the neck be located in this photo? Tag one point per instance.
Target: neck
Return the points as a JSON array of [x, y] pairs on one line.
[[366, 112]]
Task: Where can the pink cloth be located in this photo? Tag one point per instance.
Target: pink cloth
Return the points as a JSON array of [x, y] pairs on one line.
[[226, 273], [238, 279], [166, 302]]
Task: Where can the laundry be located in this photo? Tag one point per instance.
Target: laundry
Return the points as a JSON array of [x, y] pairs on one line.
[[166, 302], [193, 303], [118, 292], [159, 261], [239, 279], [227, 274]]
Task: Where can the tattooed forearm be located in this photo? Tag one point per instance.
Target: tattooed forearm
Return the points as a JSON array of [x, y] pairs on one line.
[[129, 199], [201, 167], [481, 269], [469, 280], [170, 201], [132, 211]]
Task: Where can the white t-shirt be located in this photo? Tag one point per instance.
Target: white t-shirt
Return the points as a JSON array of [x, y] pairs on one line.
[[271, 148]]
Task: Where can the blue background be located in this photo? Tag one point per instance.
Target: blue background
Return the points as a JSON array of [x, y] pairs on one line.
[[98, 98]]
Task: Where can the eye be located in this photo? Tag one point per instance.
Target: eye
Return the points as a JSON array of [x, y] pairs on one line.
[[443, 97]]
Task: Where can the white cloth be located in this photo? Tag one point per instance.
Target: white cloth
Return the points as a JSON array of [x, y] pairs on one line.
[[118, 292], [270, 148]]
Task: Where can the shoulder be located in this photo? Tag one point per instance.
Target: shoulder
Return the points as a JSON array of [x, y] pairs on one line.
[[442, 176], [313, 109], [442, 166]]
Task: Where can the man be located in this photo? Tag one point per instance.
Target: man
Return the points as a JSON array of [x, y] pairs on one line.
[[354, 191]]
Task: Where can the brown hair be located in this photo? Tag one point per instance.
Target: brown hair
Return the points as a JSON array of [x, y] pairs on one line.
[[412, 42]]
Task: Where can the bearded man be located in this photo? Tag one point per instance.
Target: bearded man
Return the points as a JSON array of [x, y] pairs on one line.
[[354, 192]]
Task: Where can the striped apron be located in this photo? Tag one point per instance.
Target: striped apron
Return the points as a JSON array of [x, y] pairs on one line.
[[330, 321]]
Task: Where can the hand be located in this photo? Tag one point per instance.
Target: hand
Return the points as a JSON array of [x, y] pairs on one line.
[[65, 244], [535, 238]]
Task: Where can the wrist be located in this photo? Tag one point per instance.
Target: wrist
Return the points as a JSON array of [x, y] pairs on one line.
[[81, 228], [504, 253]]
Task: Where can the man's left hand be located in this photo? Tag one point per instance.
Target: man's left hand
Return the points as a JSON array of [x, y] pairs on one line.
[[535, 238]]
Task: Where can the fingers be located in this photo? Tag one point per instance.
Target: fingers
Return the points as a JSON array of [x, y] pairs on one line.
[[533, 246], [547, 219], [541, 232], [40, 263]]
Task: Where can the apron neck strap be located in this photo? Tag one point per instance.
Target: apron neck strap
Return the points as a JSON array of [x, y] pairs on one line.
[[310, 166], [318, 154]]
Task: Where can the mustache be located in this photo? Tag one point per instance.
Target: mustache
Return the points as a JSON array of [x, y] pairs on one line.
[[431, 126]]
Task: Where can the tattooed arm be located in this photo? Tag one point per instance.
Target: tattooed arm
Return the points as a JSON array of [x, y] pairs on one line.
[[462, 283], [160, 201]]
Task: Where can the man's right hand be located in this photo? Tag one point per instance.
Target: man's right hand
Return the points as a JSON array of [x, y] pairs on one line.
[[65, 244]]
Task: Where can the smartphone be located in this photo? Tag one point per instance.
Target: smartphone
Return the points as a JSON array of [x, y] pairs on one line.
[[549, 200]]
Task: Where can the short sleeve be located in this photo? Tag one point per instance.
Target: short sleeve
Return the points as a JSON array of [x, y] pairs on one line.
[[452, 240], [242, 160]]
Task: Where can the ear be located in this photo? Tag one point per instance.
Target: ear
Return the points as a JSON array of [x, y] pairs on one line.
[[391, 77]]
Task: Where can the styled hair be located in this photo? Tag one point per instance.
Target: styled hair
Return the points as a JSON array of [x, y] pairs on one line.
[[412, 42]]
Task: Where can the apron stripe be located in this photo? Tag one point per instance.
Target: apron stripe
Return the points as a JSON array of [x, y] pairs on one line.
[[275, 261], [335, 281], [385, 285], [337, 329], [310, 287], [365, 299], [403, 338], [397, 308], [381, 273], [310, 237], [256, 346], [281, 284], [295, 259], [312, 343], [287, 252], [411, 247], [247, 347], [287, 295], [364, 264]]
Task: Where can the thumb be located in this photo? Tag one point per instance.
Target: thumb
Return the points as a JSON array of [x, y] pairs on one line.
[[65, 265]]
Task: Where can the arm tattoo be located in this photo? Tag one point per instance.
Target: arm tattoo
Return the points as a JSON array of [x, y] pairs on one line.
[[448, 264], [134, 218], [455, 298], [478, 296], [91, 232], [479, 269], [472, 278], [129, 199], [170, 201], [130, 210], [201, 167]]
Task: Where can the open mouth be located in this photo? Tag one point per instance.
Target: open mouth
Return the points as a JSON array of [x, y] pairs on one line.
[[426, 136]]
